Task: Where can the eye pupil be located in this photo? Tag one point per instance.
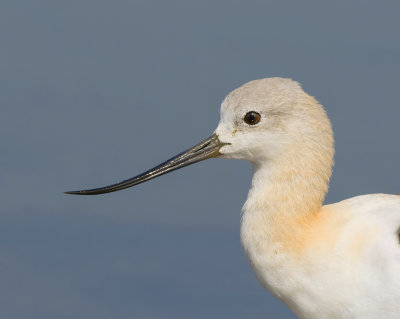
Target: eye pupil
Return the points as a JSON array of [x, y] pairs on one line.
[[252, 118]]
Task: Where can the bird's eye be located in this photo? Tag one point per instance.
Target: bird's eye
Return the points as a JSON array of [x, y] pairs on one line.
[[252, 118]]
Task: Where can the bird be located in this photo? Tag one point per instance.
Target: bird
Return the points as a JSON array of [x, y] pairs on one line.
[[334, 261]]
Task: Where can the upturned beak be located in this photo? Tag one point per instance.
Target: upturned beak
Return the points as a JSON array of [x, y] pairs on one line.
[[206, 149]]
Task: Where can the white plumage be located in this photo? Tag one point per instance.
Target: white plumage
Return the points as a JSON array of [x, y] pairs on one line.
[[335, 261]]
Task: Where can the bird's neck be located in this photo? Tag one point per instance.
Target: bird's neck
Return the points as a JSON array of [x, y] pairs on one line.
[[284, 199]]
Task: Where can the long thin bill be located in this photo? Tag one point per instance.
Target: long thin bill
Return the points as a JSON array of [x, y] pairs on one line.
[[206, 149]]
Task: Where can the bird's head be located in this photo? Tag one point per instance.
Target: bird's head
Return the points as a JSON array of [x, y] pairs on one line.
[[262, 121]]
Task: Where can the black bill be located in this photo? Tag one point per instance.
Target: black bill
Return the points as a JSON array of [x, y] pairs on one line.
[[206, 149]]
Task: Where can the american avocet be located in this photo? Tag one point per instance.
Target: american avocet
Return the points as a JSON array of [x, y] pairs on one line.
[[335, 261]]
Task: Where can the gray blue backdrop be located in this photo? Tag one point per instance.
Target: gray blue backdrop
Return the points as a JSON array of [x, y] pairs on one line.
[[94, 91]]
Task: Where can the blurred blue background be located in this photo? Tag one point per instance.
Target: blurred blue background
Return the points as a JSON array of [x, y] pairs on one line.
[[93, 92]]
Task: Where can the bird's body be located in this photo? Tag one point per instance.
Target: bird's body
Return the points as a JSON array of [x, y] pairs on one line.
[[343, 262], [339, 261]]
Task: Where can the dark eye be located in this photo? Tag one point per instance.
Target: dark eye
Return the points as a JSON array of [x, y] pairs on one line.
[[252, 118]]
